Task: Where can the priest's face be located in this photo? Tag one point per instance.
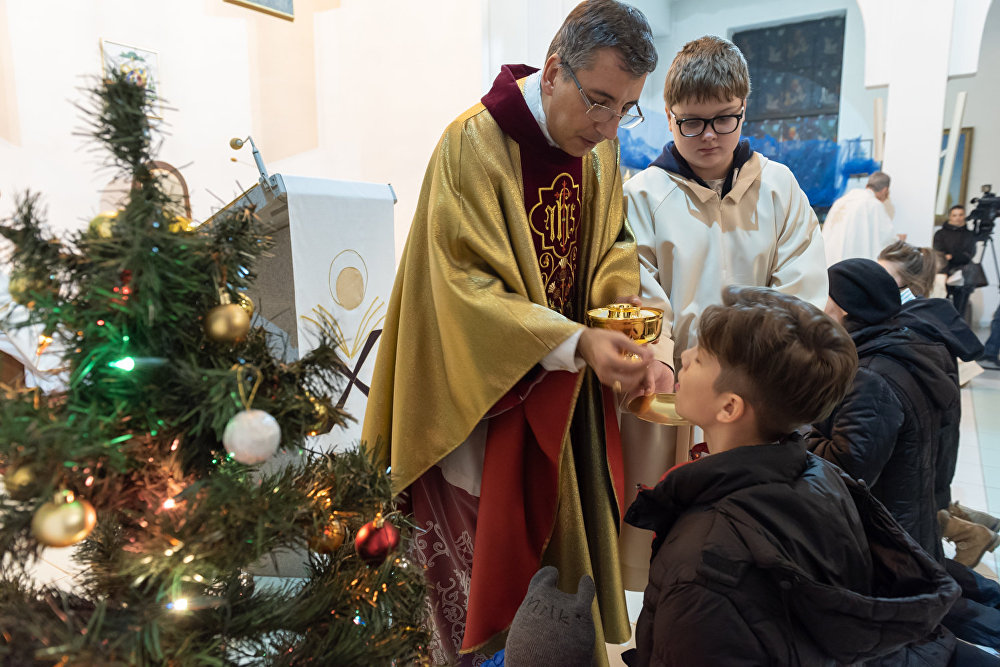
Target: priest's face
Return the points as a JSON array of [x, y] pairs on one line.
[[604, 82], [710, 153]]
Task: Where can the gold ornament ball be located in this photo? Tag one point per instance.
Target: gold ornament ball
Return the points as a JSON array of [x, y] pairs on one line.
[[181, 224], [227, 323], [20, 287], [330, 539], [101, 224], [20, 483], [64, 522]]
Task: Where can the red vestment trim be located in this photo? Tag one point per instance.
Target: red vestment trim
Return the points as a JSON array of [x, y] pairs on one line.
[[517, 503]]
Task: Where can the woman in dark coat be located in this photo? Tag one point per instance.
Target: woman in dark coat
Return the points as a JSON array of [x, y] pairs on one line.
[[886, 429]]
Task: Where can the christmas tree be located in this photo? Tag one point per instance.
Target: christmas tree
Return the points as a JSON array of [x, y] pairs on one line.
[[147, 462]]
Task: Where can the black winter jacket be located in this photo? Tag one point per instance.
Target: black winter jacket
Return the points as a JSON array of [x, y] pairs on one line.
[[769, 555], [959, 242], [938, 321], [887, 429]]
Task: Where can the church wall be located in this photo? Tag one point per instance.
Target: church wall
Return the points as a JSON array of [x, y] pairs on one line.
[[352, 89], [692, 19]]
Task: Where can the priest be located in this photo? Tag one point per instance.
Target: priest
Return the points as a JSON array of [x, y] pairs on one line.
[[859, 224], [491, 397]]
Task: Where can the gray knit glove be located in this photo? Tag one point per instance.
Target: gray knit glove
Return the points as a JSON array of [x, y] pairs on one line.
[[552, 628]]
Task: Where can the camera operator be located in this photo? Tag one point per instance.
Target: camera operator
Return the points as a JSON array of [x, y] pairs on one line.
[[957, 243]]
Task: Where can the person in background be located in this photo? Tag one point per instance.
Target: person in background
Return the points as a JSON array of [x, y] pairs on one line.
[[858, 224], [957, 244], [937, 320], [887, 429], [766, 554]]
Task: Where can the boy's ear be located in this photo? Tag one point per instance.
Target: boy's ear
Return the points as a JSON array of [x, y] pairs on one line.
[[732, 409]]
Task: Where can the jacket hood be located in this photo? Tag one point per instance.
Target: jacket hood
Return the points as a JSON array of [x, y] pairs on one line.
[[897, 597], [926, 360], [672, 161], [938, 321]]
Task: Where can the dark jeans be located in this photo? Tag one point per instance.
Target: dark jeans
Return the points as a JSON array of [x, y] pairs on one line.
[[975, 617], [960, 297], [967, 655], [992, 345]]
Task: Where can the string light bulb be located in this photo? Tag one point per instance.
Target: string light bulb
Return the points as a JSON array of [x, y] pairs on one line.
[[126, 364]]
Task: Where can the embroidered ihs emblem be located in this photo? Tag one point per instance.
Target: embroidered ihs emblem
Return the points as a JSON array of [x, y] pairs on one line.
[[555, 222]]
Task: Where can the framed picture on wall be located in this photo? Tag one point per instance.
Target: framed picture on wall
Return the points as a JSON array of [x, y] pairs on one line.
[[138, 65], [281, 8], [958, 189]]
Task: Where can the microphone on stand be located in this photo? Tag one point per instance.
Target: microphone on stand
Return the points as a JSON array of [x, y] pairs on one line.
[[236, 144]]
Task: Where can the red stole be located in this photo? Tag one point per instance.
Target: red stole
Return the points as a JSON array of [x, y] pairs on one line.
[[552, 197], [520, 483]]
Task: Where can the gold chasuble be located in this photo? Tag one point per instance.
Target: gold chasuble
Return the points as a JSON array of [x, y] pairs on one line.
[[512, 242]]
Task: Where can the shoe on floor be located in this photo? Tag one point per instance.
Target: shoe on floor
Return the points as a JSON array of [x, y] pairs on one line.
[[975, 516], [971, 540], [991, 363]]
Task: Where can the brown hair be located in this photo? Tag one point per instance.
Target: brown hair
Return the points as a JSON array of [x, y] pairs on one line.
[[916, 266], [783, 356], [708, 68], [601, 24]]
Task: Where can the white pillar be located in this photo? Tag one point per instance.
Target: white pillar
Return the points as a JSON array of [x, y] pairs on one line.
[[914, 46]]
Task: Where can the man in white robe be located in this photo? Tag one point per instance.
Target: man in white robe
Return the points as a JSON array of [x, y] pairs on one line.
[[858, 224]]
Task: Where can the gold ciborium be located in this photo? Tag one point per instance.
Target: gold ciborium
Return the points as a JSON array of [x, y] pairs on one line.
[[642, 325]]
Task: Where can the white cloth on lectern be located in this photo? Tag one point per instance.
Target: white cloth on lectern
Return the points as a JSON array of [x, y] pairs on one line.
[[857, 225], [43, 370]]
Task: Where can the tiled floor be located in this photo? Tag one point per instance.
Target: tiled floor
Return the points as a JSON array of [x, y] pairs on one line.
[[977, 477]]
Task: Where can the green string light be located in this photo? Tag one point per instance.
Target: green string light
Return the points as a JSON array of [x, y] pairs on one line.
[[124, 364]]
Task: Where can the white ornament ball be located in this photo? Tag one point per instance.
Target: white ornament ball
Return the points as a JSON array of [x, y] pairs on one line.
[[252, 436]]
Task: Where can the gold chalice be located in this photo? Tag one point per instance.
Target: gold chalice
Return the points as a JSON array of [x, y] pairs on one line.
[[643, 325]]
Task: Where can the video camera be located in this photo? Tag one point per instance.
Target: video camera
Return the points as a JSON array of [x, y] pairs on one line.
[[984, 215]]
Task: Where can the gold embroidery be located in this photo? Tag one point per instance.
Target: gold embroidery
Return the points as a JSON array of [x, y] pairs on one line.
[[555, 222]]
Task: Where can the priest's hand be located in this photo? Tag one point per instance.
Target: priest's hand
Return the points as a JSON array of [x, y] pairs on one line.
[[631, 299], [617, 360], [659, 380]]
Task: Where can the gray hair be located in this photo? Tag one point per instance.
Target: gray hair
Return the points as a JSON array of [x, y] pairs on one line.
[[878, 181], [601, 24]]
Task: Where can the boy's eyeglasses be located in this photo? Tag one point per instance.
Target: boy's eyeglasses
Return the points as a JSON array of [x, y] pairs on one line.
[[602, 114], [693, 127]]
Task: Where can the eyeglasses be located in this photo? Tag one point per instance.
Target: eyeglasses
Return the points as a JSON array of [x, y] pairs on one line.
[[692, 127], [602, 114]]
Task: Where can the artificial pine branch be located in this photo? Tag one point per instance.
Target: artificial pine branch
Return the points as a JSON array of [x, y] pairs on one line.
[[179, 521]]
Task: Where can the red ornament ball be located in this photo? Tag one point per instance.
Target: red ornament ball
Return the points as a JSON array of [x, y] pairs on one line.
[[375, 540]]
